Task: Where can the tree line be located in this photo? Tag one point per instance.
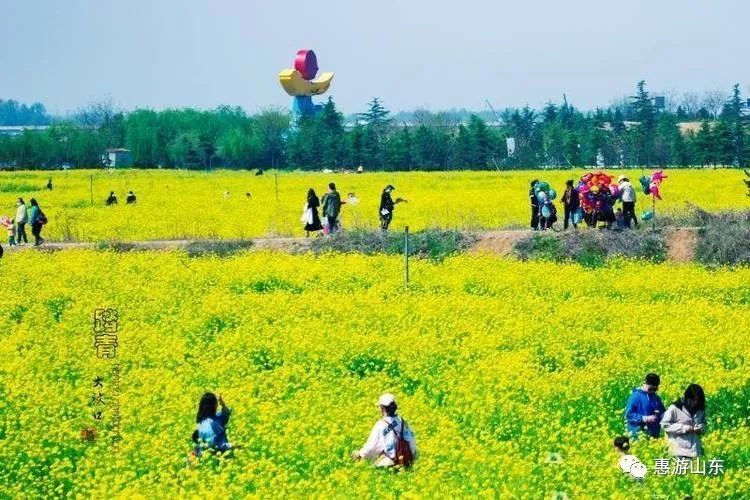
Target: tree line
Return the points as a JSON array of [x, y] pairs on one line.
[[633, 131]]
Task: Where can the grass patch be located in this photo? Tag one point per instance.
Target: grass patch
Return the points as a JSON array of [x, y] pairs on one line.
[[432, 244], [592, 248], [219, 248], [723, 237], [13, 187]]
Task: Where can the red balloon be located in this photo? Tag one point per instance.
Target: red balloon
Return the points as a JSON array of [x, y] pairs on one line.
[[306, 63]]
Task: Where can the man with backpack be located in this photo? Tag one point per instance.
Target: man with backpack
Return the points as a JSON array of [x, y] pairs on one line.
[[331, 204], [391, 442]]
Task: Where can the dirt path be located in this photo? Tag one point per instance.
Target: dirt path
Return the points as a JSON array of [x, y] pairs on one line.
[[681, 243], [291, 245], [499, 242]]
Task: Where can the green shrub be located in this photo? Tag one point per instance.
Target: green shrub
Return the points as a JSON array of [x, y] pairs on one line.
[[433, 244], [592, 248], [10, 187], [219, 248]]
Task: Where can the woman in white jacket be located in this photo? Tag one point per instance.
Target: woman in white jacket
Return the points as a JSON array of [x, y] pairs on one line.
[[21, 219], [684, 422]]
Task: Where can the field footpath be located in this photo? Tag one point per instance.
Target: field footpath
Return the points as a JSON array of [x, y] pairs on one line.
[[681, 243]]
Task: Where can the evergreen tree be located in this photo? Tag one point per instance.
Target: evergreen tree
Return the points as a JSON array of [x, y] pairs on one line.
[[644, 112], [733, 116], [703, 145], [480, 142], [376, 116], [462, 156]]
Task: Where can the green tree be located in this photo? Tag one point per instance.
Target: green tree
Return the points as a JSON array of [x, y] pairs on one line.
[[733, 117], [481, 143], [645, 114]]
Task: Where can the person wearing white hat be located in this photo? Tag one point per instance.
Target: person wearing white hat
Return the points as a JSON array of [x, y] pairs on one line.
[[391, 440], [627, 196]]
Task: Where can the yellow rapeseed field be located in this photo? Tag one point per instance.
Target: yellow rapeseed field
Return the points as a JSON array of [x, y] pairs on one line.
[[183, 204], [513, 375]]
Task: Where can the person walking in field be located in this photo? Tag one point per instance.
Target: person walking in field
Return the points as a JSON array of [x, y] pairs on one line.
[[111, 199], [391, 442], [627, 196], [211, 424], [49, 184], [570, 203], [37, 219], [684, 422], [310, 214], [331, 207], [22, 217], [644, 408], [130, 198], [386, 207], [534, 206]]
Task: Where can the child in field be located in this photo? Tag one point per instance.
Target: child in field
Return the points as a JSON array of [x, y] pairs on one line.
[[620, 219], [7, 222], [211, 425], [622, 447]]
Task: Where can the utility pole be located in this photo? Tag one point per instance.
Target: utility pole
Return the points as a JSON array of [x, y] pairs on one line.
[[406, 256]]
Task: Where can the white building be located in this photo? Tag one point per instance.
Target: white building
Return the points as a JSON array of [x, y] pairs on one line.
[[118, 157]]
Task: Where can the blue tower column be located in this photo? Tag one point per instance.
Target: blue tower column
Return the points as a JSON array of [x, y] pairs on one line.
[[301, 106]]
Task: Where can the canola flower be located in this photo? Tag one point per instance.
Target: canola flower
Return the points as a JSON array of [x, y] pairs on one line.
[[496, 364], [188, 204]]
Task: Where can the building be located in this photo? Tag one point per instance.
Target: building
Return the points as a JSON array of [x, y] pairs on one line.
[[118, 157], [14, 130]]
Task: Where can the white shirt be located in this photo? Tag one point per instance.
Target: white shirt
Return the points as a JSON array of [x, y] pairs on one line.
[[381, 444], [21, 214], [628, 192]]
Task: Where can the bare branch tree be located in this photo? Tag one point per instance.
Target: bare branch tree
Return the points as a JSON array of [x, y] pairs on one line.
[[691, 103], [96, 114], [713, 101], [671, 100]]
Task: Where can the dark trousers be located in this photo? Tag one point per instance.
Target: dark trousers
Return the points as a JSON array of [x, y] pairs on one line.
[[36, 230], [569, 216], [628, 212], [534, 217], [332, 223], [385, 221], [21, 232]]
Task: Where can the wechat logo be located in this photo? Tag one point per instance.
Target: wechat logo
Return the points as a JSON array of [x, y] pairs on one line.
[[631, 465]]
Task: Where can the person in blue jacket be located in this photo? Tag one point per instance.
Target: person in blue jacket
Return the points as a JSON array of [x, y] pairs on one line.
[[645, 409], [211, 425]]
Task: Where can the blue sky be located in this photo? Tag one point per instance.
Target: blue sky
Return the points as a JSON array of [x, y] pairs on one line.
[[416, 53]]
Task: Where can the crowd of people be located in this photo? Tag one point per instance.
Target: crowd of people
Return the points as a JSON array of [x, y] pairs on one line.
[[330, 206], [26, 215], [595, 207], [33, 217], [391, 442]]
